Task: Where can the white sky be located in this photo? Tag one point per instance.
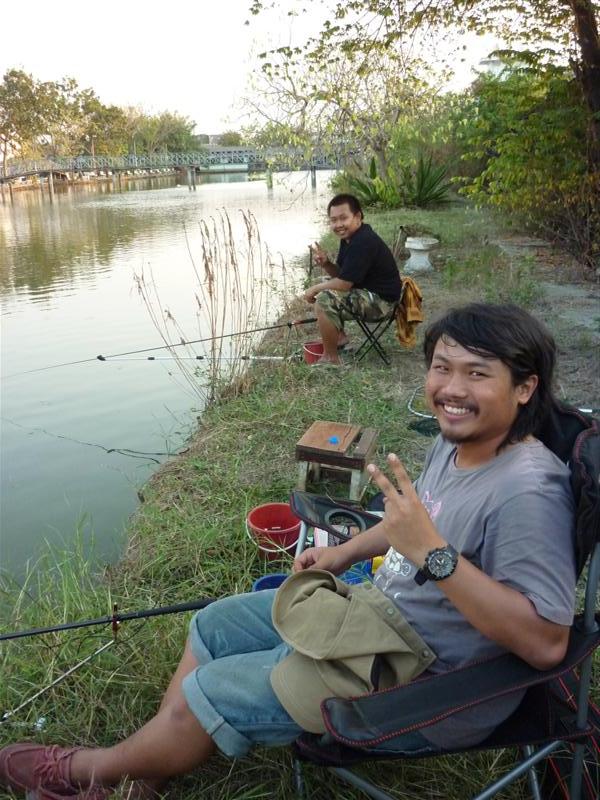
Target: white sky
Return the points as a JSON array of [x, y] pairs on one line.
[[189, 57]]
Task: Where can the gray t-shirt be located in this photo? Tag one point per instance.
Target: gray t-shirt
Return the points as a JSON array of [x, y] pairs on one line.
[[511, 517]]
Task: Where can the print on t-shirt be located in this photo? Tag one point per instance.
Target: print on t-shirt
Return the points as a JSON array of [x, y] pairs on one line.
[[396, 563]]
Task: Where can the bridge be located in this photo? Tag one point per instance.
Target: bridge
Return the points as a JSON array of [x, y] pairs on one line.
[[209, 159]]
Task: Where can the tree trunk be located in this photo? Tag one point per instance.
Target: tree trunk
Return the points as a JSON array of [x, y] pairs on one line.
[[588, 75], [586, 28], [4, 159]]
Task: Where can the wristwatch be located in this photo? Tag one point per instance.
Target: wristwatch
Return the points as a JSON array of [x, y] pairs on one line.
[[440, 563]]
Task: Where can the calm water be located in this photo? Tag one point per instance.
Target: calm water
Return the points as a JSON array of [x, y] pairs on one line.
[[67, 293]]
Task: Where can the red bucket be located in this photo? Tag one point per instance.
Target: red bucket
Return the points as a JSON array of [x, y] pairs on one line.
[[312, 351], [274, 529]]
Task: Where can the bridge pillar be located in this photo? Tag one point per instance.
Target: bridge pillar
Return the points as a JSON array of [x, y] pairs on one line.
[[269, 179], [51, 183], [313, 177]]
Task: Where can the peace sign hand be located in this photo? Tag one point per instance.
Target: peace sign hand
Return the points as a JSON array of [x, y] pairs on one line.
[[319, 255], [406, 523]]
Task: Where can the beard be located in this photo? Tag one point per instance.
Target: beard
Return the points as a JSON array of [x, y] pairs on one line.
[[457, 438], [447, 431]]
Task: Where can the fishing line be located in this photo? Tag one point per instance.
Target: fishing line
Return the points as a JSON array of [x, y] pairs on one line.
[[182, 343], [289, 325], [124, 451]]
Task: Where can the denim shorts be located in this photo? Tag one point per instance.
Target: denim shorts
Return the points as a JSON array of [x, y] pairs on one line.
[[230, 691]]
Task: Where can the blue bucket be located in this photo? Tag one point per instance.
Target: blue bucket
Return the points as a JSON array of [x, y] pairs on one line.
[[271, 581]]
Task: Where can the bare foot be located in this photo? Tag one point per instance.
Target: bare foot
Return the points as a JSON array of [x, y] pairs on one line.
[[326, 361]]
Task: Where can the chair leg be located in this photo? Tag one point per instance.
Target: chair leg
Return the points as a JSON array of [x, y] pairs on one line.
[[520, 769], [373, 335], [576, 772], [534, 785], [299, 785], [371, 341], [365, 786]]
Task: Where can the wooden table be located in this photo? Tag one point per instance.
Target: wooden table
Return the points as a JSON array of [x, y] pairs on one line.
[[347, 448]]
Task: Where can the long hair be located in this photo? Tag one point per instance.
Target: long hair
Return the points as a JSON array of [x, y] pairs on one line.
[[516, 338]]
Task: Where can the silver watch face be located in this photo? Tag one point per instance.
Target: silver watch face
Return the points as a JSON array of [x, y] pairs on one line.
[[441, 563]]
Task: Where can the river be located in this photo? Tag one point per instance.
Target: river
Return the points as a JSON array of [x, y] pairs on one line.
[[68, 293]]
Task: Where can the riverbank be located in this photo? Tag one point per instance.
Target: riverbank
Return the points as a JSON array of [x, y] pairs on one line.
[[19, 185], [188, 539]]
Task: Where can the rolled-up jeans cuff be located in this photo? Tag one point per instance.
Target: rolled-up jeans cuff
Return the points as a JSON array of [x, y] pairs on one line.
[[200, 651], [230, 742]]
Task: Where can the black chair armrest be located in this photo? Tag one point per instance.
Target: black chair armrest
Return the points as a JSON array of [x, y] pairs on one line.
[[369, 720]]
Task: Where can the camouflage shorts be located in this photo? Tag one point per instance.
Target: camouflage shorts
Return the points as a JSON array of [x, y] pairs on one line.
[[362, 302]]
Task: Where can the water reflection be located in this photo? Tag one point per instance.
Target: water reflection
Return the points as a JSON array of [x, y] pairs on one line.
[[45, 241], [67, 293]]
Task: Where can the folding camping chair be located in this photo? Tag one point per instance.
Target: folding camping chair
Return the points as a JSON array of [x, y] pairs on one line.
[[365, 728], [373, 331]]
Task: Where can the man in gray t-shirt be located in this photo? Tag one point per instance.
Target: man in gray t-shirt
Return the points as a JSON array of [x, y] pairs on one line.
[[480, 554], [510, 517]]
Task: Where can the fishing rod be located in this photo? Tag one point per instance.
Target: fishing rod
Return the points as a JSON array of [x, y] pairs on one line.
[[113, 619], [290, 325], [7, 716]]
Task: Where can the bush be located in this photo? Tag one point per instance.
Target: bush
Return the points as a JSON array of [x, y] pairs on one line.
[[531, 128], [420, 185]]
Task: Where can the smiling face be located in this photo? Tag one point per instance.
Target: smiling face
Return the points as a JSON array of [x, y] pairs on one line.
[[474, 399], [343, 222]]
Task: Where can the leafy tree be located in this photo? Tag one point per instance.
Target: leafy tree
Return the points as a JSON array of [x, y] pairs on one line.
[[341, 106], [167, 132], [27, 110], [563, 32], [269, 134], [58, 118], [529, 128], [230, 139], [559, 27], [105, 129]]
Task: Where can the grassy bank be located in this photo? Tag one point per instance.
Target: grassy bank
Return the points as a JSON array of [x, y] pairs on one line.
[[188, 539]]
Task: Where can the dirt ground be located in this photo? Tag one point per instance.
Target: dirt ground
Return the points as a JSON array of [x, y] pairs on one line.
[[564, 298], [570, 305]]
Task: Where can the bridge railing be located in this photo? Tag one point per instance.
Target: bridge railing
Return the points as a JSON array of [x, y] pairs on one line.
[[282, 157]]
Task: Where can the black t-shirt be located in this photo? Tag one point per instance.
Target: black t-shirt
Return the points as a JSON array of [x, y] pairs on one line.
[[368, 263]]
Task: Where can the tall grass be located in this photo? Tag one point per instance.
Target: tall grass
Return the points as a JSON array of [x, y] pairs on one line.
[[238, 287]]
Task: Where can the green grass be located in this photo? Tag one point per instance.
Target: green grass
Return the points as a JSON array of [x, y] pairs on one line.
[[456, 225], [188, 540]]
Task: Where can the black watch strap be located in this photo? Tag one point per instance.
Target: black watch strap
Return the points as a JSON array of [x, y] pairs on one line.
[[424, 574], [421, 577]]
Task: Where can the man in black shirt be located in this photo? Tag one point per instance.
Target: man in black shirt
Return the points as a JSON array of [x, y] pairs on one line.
[[365, 276]]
